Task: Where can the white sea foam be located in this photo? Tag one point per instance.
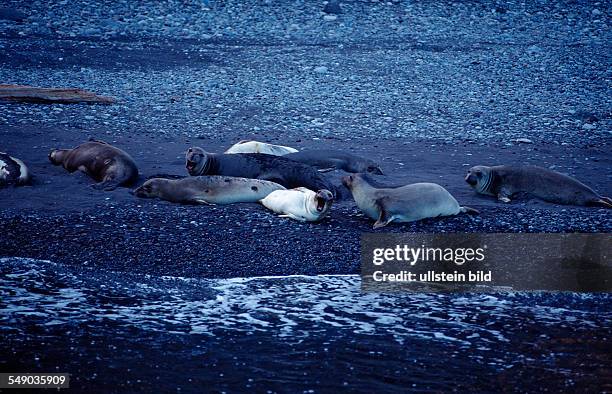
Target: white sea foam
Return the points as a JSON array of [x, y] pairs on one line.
[[287, 306]]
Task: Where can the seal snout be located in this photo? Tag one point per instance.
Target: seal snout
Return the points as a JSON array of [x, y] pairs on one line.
[[323, 199], [190, 165], [471, 179], [52, 157]]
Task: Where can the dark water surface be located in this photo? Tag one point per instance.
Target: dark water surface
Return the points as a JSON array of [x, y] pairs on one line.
[[125, 332]]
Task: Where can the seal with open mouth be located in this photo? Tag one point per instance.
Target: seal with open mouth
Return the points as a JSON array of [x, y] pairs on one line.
[[108, 165], [246, 146], [13, 171], [505, 182], [330, 159], [300, 203], [288, 173], [402, 204], [207, 189]]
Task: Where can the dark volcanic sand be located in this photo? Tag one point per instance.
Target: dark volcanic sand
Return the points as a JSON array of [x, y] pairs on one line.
[[60, 218], [426, 88]]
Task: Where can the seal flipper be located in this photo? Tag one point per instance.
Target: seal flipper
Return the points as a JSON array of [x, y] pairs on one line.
[[604, 202], [503, 197], [384, 217], [469, 211], [202, 201], [292, 216]]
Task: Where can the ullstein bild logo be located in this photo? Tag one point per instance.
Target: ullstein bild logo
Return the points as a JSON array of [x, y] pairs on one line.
[[486, 262]]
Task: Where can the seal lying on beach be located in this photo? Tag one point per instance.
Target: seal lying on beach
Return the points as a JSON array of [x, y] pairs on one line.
[[300, 203], [207, 189], [403, 204], [13, 171], [245, 146], [108, 165], [505, 182], [329, 159], [277, 169]]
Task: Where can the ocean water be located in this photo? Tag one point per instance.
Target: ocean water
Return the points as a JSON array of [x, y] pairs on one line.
[[127, 332]]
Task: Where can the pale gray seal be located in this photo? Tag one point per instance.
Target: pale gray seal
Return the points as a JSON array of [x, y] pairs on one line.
[[277, 169], [505, 182], [246, 146], [329, 159], [13, 171], [108, 165], [403, 204], [207, 189], [300, 203]]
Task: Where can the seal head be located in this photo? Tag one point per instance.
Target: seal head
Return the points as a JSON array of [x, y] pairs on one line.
[[197, 161], [323, 201], [149, 189], [481, 179]]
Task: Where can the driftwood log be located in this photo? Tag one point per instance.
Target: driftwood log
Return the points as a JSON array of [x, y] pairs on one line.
[[31, 94]]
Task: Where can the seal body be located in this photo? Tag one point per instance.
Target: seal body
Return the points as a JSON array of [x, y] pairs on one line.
[[260, 147], [207, 189], [300, 203], [108, 165], [506, 182], [13, 171], [329, 159], [403, 204], [277, 169]]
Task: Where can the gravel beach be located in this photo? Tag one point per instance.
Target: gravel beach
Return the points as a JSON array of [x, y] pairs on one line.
[[426, 89]]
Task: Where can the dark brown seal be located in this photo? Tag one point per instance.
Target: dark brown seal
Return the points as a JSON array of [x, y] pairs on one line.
[[108, 165], [330, 159], [277, 169]]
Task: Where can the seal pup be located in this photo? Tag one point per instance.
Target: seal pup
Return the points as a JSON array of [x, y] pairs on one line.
[[246, 146], [329, 159], [300, 203], [505, 182], [207, 189], [288, 173], [13, 171], [403, 204], [108, 165]]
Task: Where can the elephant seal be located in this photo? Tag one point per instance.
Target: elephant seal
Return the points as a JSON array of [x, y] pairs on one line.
[[108, 165], [300, 203], [505, 182], [403, 204], [277, 169], [13, 171], [207, 189], [329, 159], [246, 146]]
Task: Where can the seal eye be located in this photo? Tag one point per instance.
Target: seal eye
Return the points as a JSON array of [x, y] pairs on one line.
[[478, 173], [254, 188], [189, 150]]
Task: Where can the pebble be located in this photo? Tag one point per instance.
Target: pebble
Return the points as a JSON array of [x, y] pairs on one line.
[[321, 69], [332, 7]]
